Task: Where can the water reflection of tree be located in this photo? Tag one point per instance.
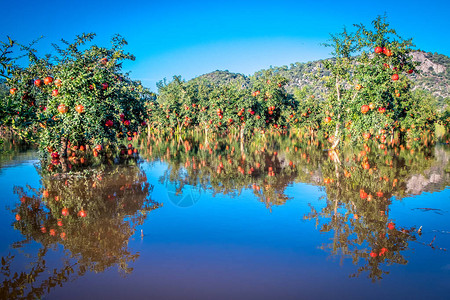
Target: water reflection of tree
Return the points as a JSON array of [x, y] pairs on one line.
[[113, 203], [21, 285], [360, 183], [360, 222], [224, 167]]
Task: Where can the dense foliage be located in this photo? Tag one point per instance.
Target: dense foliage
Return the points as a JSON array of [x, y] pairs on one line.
[[367, 94], [79, 98], [200, 104]]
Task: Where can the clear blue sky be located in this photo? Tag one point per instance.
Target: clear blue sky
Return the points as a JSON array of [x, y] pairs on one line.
[[192, 38]]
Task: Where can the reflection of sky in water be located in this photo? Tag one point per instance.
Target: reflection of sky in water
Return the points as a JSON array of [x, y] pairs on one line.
[[236, 248], [183, 196], [20, 174]]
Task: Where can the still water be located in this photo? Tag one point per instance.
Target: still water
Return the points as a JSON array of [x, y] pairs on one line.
[[277, 218]]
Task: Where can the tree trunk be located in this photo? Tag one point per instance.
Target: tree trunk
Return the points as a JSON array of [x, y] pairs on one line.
[[63, 147], [338, 120], [337, 133], [206, 137], [242, 138], [63, 155]]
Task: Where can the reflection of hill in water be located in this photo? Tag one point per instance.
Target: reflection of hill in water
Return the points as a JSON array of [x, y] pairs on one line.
[[435, 178]]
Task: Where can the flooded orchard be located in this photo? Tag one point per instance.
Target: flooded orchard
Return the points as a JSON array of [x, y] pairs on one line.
[[197, 218]]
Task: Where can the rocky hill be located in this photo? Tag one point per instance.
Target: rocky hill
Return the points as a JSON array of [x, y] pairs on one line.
[[433, 75], [224, 77]]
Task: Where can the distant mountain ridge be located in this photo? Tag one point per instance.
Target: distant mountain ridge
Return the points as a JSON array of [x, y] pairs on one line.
[[224, 77], [434, 75]]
